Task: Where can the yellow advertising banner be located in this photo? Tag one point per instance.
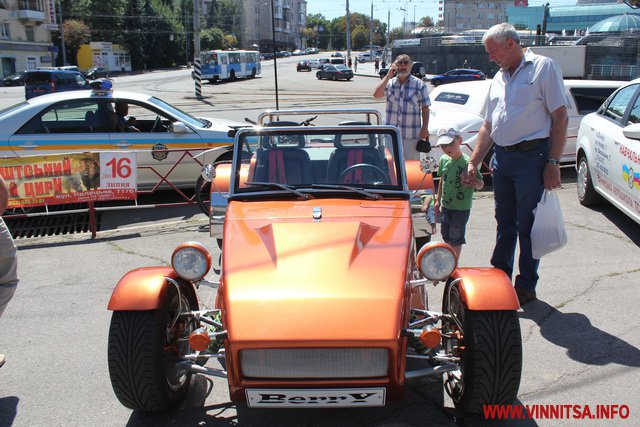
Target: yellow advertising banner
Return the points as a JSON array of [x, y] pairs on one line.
[[69, 178]]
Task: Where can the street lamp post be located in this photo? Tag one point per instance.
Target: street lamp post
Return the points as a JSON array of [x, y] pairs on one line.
[[275, 62]]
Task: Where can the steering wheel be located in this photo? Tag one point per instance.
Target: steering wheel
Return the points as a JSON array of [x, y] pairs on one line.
[[157, 124], [379, 172]]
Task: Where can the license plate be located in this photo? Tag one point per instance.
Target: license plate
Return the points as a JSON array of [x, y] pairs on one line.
[[315, 398]]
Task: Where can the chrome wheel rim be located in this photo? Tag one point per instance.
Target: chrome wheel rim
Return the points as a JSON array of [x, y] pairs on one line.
[[582, 177]]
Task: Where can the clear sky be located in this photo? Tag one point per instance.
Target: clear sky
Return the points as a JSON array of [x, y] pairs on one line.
[[334, 8]]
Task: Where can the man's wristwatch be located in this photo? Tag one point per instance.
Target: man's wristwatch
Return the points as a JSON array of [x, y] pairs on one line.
[[553, 161]]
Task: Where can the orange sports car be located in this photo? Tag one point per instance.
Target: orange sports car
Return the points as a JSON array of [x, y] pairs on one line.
[[321, 297]]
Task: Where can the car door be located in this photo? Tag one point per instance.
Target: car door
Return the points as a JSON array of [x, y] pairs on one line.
[[63, 127], [161, 152], [610, 146], [625, 173]]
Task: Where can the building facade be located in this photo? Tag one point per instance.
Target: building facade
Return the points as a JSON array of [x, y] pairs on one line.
[[461, 15], [568, 20], [25, 36], [290, 20]]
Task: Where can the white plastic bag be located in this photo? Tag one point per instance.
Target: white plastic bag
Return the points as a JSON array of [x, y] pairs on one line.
[[547, 233]]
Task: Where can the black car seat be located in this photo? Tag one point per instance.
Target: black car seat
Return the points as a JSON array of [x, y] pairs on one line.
[[92, 121], [345, 156], [284, 164]]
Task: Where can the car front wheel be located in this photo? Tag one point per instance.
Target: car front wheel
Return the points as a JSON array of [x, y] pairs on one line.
[[435, 82], [318, 76], [145, 350], [490, 347], [587, 195]]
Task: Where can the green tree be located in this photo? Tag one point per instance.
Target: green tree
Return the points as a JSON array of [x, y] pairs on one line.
[[212, 38], [226, 15], [426, 21], [230, 42], [319, 26], [104, 18], [359, 38], [76, 33]]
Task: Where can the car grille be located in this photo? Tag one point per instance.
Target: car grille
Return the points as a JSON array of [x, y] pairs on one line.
[[315, 363]]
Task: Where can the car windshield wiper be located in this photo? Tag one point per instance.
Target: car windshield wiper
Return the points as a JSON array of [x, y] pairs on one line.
[[348, 188], [282, 187]]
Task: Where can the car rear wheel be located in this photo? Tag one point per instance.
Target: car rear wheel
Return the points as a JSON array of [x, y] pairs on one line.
[[145, 349], [587, 195], [203, 194], [334, 78], [490, 347]]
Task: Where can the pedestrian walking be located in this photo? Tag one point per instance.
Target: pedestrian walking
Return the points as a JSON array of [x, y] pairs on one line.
[[377, 65], [349, 62], [407, 104], [526, 122], [8, 258], [355, 66]]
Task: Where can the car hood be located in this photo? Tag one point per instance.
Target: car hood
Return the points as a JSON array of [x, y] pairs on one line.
[[289, 278], [467, 122], [224, 124]]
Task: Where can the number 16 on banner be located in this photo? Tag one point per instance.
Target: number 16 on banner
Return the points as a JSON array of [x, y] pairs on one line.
[[118, 170]]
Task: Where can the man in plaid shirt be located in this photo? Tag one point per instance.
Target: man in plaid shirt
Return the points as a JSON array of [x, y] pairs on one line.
[[407, 104]]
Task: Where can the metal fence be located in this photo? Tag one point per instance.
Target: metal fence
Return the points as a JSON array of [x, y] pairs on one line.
[[614, 70]]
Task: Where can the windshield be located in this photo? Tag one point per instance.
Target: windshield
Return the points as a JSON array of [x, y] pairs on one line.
[[319, 162], [177, 113]]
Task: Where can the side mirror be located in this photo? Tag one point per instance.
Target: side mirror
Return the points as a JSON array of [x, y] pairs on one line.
[[179, 128], [632, 131]]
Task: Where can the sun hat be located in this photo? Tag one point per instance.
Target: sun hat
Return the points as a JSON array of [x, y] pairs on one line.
[[446, 136]]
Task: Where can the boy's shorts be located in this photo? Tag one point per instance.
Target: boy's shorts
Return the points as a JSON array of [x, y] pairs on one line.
[[431, 218], [453, 226]]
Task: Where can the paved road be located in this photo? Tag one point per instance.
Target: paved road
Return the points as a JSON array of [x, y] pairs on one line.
[[581, 345]]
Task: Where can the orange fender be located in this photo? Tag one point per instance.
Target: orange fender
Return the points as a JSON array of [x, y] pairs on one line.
[[486, 289], [140, 289], [416, 179], [223, 178]]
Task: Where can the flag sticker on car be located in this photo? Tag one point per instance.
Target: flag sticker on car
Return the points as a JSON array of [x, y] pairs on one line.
[[315, 398]]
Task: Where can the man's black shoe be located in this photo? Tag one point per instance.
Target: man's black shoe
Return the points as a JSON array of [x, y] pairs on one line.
[[524, 296]]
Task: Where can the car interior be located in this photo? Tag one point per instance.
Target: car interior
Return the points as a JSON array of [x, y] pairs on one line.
[[337, 159]]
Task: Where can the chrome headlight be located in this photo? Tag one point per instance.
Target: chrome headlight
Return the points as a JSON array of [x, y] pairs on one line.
[[436, 261], [191, 260]]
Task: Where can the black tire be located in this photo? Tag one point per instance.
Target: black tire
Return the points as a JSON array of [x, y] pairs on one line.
[[435, 82], [491, 365], [318, 76], [143, 352], [334, 78], [587, 195], [203, 195]]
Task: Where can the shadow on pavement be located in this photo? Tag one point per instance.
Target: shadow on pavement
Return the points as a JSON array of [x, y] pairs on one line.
[[584, 342], [8, 410]]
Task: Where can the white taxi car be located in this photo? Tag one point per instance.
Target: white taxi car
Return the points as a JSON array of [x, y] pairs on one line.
[[163, 137], [463, 105], [608, 155]]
